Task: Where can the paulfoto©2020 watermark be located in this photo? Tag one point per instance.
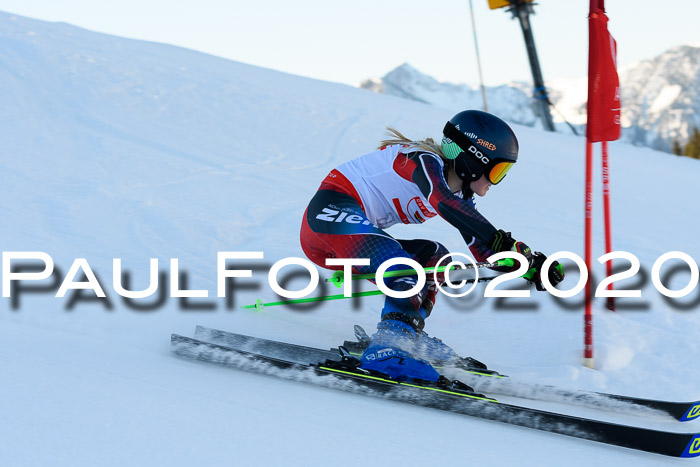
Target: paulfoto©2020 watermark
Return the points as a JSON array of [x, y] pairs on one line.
[[81, 277]]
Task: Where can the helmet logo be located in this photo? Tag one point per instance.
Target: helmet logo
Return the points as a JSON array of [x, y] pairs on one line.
[[479, 155], [486, 144]]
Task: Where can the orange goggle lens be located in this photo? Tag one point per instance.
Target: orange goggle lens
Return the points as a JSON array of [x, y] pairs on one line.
[[498, 171]]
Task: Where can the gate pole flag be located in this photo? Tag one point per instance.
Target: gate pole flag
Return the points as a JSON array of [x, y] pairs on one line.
[[603, 84], [603, 125]]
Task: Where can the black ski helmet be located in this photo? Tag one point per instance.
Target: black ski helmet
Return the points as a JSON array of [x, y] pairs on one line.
[[479, 143]]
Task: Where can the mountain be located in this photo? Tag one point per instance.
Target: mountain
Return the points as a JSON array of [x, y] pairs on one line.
[[407, 82], [118, 148], [660, 97]]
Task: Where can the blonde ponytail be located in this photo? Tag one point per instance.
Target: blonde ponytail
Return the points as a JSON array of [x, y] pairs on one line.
[[396, 137]]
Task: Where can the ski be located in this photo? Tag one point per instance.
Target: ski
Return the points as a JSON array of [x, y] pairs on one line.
[[291, 352], [294, 352], [680, 411], [488, 382], [454, 398]]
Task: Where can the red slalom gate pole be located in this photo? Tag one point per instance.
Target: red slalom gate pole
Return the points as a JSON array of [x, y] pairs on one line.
[[588, 248], [608, 223], [602, 125]]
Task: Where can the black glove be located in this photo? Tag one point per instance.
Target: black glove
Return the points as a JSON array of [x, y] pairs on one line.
[[555, 273], [502, 241]]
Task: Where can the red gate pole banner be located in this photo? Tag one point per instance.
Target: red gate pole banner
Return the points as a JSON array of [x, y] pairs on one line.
[[603, 83], [603, 124]]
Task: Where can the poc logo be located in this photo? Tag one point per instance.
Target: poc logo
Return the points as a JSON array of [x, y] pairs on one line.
[[479, 155], [331, 215]]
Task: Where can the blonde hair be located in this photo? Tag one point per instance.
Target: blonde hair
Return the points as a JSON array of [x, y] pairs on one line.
[[396, 137]]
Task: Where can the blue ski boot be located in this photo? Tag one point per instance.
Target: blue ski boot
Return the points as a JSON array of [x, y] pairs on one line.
[[390, 350], [390, 353]]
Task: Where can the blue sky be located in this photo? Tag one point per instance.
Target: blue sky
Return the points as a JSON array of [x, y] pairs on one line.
[[351, 41]]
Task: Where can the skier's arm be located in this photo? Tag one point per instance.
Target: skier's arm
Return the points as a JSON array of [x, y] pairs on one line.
[[427, 174], [482, 238], [479, 234]]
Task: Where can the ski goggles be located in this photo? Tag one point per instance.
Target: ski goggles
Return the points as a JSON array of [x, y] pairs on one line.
[[499, 170]]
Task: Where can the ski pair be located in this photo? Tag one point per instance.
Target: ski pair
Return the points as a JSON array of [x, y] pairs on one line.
[[444, 395], [470, 371]]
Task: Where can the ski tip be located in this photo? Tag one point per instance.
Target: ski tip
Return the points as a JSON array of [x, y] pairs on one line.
[[693, 448], [693, 413]]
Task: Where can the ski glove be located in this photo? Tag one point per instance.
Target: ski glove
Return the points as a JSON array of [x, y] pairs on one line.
[[534, 275], [502, 241]]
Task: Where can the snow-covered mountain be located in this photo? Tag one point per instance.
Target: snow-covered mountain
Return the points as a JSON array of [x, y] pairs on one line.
[[510, 100], [117, 148], [660, 97]]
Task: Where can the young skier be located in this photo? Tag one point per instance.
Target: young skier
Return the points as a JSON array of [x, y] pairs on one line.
[[410, 182]]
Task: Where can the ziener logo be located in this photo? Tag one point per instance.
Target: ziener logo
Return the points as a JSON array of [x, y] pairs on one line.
[[329, 215]]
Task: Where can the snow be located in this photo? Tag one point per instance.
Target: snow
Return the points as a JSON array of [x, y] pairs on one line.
[[115, 148]]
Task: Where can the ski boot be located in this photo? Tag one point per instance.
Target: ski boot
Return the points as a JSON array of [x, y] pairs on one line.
[[389, 353]]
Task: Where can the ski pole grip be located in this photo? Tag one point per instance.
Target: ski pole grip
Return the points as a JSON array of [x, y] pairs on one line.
[[507, 262]]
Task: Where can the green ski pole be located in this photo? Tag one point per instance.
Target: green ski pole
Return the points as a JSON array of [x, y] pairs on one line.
[[339, 276], [259, 305]]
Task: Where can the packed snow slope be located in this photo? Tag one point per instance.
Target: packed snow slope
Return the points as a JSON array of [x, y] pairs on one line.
[[116, 148]]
